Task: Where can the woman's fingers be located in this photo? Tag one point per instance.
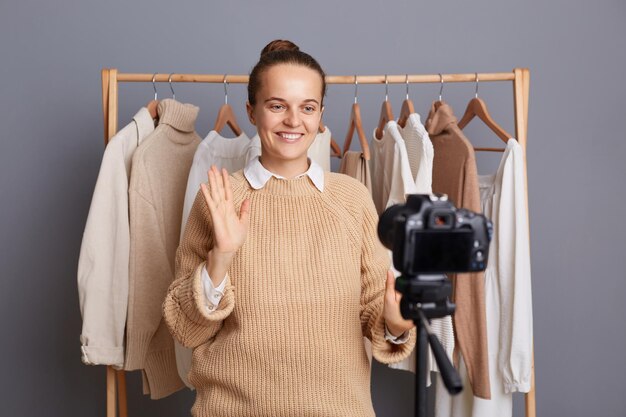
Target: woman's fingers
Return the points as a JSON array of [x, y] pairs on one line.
[[390, 292], [207, 197], [220, 183], [213, 186], [228, 189], [244, 212]]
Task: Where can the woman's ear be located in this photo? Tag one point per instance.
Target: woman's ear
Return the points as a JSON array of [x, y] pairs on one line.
[[249, 110]]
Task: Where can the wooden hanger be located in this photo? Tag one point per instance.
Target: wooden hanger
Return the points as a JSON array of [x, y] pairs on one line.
[[477, 107], [226, 115], [386, 114], [356, 123], [407, 107], [336, 150], [152, 108]]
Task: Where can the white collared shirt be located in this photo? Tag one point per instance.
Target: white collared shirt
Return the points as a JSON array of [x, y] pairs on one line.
[[257, 175]]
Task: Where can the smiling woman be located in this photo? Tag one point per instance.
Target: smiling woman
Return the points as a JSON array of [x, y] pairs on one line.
[[276, 297], [287, 116]]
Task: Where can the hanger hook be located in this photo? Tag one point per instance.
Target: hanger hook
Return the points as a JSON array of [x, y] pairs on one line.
[[407, 86], [169, 80], [476, 93], [225, 89], [356, 89], [440, 88], [154, 85], [386, 88]]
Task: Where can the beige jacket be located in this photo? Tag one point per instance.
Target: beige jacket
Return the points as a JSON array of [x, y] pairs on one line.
[[103, 262]]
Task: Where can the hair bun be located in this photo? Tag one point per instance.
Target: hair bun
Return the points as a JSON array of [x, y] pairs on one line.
[[279, 45]]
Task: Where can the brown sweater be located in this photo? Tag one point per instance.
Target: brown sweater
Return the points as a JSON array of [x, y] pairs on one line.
[[156, 195], [303, 290], [455, 174]]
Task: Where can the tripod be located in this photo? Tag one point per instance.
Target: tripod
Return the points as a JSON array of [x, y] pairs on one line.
[[425, 297]]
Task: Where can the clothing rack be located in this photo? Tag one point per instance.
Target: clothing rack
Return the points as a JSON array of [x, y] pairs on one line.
[[520, 77]]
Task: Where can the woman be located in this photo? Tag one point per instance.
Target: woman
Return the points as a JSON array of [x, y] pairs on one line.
[[302, 271]]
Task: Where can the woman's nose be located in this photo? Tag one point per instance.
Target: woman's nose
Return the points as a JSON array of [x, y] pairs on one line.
[[292, 118]]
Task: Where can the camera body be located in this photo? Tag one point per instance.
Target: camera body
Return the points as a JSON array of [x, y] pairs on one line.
[[429, 235]]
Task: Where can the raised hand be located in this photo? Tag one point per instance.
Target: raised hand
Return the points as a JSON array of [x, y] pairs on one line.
[[229, 227]]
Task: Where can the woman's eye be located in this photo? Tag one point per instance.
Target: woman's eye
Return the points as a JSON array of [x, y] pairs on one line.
[[309, 109], [277, 107]]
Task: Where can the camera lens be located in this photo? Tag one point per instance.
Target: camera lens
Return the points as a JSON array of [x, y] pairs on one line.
[[386, 225]]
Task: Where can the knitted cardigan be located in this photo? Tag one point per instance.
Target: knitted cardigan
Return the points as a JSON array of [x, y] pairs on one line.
[[303, 290]]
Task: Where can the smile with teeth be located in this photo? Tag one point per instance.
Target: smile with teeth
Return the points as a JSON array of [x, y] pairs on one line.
[[290, 136]]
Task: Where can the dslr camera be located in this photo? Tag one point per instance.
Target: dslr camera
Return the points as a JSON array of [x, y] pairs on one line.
[[428, 235]]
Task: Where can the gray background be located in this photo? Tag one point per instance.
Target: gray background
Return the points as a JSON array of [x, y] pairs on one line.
[[52, 143]]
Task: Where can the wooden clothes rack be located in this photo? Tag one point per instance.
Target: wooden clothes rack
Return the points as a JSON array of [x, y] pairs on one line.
[[520, 77]]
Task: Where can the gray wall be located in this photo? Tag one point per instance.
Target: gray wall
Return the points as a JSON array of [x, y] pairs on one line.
[[52, 142]]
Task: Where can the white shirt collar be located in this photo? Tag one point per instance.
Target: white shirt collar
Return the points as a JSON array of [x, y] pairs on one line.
[[257, 175]]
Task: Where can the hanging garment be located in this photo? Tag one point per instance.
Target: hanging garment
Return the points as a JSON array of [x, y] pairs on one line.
[[454, 174], [508, 298], [157, 189], [392, 179], [420, 154], [231, 154], [247, 361], [319, 151], [354, 164], [103, 261]]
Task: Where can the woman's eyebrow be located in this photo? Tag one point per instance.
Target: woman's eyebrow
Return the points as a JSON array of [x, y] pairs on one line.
[[275, 99], [282, 100]]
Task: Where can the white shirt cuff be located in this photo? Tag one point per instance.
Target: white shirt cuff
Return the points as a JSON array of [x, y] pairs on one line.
[[212, 293], [403, 338]]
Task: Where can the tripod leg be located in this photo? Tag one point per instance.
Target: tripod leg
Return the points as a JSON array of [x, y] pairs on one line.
[[420, 371]]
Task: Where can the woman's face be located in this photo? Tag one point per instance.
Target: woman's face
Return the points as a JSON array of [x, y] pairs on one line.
[[287, 113]]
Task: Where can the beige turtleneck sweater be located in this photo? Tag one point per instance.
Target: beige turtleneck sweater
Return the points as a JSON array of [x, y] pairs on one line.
[[156, 195], [455, 174], [285, 340]]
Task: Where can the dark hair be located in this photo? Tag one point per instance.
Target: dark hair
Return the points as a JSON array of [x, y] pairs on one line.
[[281, 52]]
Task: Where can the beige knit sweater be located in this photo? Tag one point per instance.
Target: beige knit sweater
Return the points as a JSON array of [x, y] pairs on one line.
[[307, 285], [156, 195], [455, 174]]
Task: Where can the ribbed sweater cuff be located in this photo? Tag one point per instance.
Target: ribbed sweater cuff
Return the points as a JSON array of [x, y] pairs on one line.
[[136, 349], [383, 350], [162, 374], [192, 301]]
